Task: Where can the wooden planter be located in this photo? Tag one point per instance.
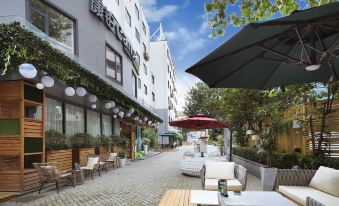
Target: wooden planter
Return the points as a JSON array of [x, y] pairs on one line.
[[80, 155], [62, 157], [103, 151], [117, 149]]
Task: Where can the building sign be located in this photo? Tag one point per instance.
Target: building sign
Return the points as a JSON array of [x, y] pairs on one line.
[[111, 22]]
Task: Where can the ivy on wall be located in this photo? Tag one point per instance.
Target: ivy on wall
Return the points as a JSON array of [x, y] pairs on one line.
[[18, 45]]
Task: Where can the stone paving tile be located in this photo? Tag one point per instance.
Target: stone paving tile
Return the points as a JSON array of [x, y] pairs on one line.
[[139, 183]]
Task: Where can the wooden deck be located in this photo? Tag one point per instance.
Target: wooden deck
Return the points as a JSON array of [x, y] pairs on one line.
[[176, 197], [5, 196]]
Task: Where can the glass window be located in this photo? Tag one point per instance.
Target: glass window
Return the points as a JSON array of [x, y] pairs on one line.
[[93, 123], [134, 85], [54, 117], [117, 1], [153, 96], [137, 35], [128, 18], [113, 65], [144, 27], [107, 125], [75, 120], [153, 79], [137, 12], [52, 22], [145, 69], [139, 83], [145, 89], [137, 59]]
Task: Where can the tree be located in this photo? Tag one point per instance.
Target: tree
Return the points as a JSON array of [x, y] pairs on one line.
[[221, 13]]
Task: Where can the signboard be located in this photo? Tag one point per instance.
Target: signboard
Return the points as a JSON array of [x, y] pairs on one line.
[[97, 8]]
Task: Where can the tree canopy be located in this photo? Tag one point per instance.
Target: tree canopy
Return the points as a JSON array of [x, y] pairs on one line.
[[221, 13]]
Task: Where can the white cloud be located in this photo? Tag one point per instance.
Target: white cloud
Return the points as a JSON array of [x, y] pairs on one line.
[[184, 83], [154, 13]]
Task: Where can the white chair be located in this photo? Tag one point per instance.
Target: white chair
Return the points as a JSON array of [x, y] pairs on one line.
[[92, 164]]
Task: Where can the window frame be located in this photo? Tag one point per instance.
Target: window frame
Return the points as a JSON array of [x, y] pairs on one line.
[[153, 96], [121, 62], [139, 83], [137, 12], [136, 84], [153, 79], [145, 69], [137, 35], [129, 15], [145, 90], [144, 28]]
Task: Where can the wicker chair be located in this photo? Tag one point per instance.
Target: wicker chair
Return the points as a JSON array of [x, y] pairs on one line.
[[240, 173], [92, 165], [49, 173]]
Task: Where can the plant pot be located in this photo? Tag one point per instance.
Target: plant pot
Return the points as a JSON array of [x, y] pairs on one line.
[[145, 149], [122, 162], [62, 157], [268, 178]]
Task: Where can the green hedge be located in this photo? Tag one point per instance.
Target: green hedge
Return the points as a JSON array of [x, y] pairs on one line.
[[285, 160]]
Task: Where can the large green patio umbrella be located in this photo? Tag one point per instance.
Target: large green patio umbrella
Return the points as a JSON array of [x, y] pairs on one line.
[[300, 48]]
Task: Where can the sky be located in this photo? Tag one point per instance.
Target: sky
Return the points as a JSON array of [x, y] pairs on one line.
[[187, 31]]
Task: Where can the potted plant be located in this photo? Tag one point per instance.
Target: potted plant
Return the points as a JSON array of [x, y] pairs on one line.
[[83, 144], [58, 149], [268, 146], [103, 145], [122, 158]]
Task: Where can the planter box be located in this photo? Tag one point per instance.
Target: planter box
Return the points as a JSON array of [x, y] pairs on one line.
[[252, 167], [103, 151], [117, 149], [80, 155], [62, 157]]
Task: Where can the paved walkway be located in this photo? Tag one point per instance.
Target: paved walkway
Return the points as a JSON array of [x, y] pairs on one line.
[[142, 182]]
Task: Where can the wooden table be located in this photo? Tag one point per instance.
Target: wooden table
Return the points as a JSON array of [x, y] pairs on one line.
[[176, 197], [78, 177]]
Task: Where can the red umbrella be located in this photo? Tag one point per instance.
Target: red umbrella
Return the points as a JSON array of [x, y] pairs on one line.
[[199, 121]]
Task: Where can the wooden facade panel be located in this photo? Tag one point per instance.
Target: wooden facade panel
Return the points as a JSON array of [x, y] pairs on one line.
[[11, 91], [31, 180], [62, 157], [9, 182], [9, 110], [33, 128], [83, 154]]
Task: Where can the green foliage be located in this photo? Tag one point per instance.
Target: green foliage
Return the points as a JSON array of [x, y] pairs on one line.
[[285, 160], [121, 140], [104, 141], [82, 140], [268, 145], [150, 137], [18, 45], [220, 16], [140, 155], [56, 141], [221, 140], [122, 154], [215, 133]]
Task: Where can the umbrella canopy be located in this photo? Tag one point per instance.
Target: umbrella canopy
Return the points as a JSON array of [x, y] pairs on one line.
[[199, 121], [300, 48]]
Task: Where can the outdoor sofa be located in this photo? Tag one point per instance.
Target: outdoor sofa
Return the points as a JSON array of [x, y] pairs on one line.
[[235, 174], [310, 187]]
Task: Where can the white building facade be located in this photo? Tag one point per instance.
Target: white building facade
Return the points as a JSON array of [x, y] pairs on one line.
[[165, 83]]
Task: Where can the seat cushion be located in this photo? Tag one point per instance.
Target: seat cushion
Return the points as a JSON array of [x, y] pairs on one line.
[[327, 180], [92, 161], [219, 170], [300, 193], [232, 185]]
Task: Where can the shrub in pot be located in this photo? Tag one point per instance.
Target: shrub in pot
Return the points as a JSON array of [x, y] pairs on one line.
[[83, 144], [56, 141], [268, 146], [103, 144], [122, 158]]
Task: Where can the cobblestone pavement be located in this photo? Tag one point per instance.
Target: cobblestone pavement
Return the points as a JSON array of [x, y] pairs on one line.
[[141, 182]]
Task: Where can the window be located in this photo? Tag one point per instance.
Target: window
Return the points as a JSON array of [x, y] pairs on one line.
[[168, 69], [137, 12], [153, 96], [145, 50], [139, 83], [117, 1], [137, 59], [128, 18], [54, 117], [153, 79], [93, 123], [106, 125], [75, 120], [137, 35], [144, 27], [134, 85], [52, 22], [113, 65], [168, 84], [145, 89], [145, 69]]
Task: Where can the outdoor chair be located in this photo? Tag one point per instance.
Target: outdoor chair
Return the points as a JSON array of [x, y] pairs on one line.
[[103, 164], [310, 187], [113, 159], [92, 165], [49, 173], [235, 174]]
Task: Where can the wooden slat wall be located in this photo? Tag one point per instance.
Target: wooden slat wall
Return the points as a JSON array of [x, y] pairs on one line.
[[31, 180], [62, 157], [104, 151], [117, 149], [83, 154], [11, 91], [33, 128]]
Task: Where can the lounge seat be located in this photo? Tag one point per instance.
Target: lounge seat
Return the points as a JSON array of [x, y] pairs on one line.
[[211, 172], [300, 193]]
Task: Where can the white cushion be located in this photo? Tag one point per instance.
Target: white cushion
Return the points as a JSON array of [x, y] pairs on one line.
[[112, 155], [219, 170], [232, 185], [327, 180], [300, 193], [92, 161]]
